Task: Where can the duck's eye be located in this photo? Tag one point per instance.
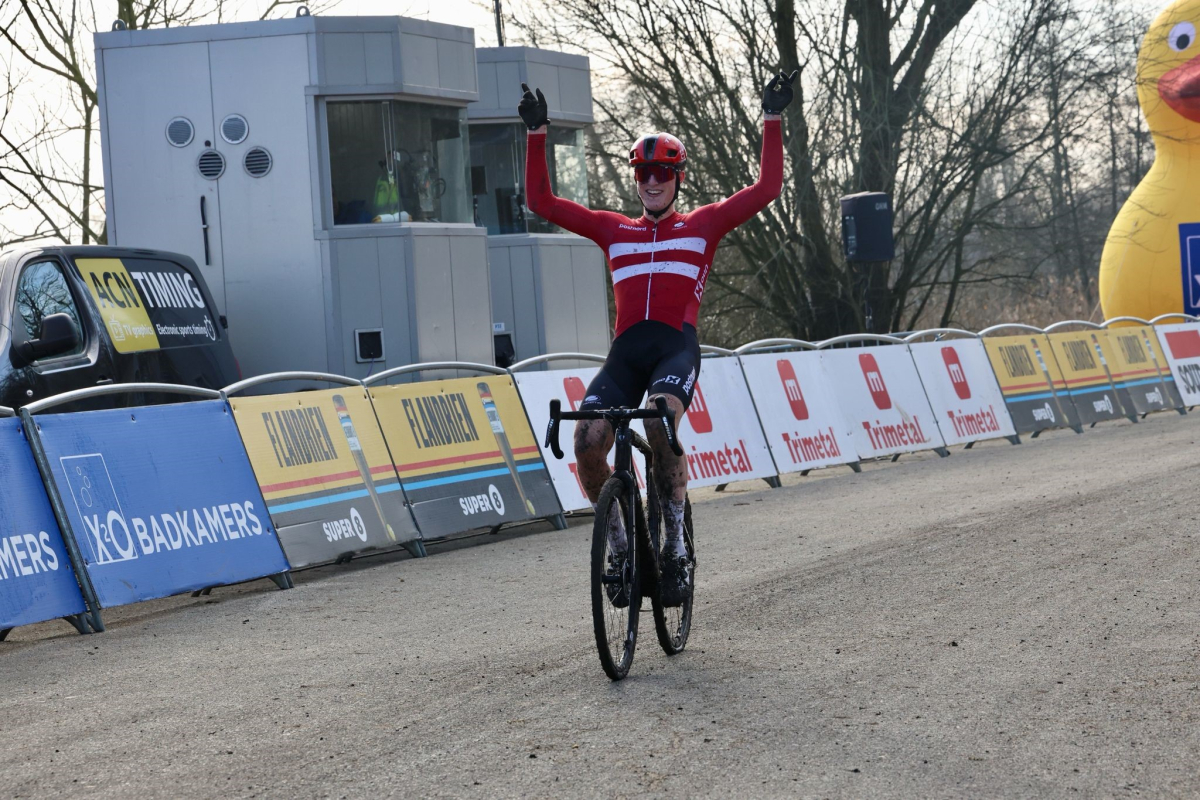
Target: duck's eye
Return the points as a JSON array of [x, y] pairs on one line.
[[1182, 36]]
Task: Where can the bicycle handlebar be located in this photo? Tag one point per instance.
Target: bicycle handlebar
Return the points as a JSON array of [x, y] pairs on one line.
[[660, 411]]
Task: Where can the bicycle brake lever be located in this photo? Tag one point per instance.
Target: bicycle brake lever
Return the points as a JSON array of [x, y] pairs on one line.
[[664, 411], [552, 429]]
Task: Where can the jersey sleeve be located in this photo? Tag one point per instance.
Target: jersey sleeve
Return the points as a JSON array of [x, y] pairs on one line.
[[733, 211], [563, 213]]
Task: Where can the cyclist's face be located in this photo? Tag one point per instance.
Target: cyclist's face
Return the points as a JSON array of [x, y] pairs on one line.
[[656, 195]]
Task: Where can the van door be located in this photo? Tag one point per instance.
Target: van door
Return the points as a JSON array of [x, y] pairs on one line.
[[42, 289]]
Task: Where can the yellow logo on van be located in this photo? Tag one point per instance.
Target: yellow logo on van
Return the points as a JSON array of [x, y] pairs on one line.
[[121, 306]]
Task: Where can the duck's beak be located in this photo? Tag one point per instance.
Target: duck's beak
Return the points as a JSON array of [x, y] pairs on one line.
[[1180, 89]]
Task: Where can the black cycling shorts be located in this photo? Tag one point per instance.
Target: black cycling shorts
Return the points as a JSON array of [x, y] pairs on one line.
[[649, 356]]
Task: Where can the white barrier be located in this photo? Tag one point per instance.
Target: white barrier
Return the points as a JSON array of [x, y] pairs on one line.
[[879, 391], [567, 386], [1181, 343], [798, 410], [721, 434], [962, 390]]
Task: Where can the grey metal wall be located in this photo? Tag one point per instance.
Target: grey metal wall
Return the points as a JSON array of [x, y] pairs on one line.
[[153, 189], [426, 286], [272, 264], [551, 292], [564, 79]]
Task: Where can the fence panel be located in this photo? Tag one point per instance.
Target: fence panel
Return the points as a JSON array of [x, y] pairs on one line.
[[881, 395], [161, 500], [1033, 388], [465, 453], [962, 390], [799, 411], [36, 579], [1086, 372], [1181, 342], [325, 471]]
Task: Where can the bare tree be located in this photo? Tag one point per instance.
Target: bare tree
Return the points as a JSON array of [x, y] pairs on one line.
[[963, 113], [49, 172]]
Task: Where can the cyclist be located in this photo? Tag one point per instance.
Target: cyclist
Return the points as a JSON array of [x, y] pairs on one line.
[[659, 264]]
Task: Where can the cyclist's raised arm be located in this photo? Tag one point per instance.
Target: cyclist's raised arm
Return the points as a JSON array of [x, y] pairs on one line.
[[538, 195], [739, 208]]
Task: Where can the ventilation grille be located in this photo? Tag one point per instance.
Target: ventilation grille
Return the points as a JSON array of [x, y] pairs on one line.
[[211, 164], [180, 132], [235, 129], [257, 162]]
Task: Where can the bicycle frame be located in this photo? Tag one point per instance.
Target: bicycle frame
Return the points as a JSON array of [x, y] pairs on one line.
[[626, 440]]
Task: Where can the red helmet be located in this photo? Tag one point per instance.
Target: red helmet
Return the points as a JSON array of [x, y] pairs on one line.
[[658, 148]]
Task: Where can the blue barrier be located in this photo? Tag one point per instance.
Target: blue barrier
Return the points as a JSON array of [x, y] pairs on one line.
[[160, 500], [36, 579]]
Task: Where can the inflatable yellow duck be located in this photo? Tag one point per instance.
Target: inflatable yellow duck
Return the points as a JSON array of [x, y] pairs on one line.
[[1151, 261]]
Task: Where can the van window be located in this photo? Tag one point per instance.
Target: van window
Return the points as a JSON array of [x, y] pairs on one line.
[[43, 291], [148, 303]]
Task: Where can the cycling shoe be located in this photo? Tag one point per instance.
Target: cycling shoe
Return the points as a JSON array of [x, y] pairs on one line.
[[675, 579]]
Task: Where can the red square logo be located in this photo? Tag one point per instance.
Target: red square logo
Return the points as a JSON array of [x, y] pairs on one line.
[[1184, 344], [575, 390], [697, 413], [791, 388], [958, 376], [875, 384]]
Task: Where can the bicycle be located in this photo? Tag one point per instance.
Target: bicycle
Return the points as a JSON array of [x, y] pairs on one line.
[[618, 586]]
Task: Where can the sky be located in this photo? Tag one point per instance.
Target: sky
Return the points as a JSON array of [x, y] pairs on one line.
[[469, 13]]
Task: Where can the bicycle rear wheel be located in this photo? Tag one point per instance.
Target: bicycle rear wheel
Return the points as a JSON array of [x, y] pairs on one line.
[[616, 591], [674, 623]]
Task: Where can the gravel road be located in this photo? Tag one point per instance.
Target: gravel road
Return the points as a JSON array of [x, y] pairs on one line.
[[1007, 622]]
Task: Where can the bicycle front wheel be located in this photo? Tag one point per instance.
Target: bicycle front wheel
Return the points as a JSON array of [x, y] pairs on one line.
[[674, 623], [616, 590]]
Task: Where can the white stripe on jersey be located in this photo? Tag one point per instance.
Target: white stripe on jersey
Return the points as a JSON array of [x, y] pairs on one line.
[[671, 267], [696, 245]]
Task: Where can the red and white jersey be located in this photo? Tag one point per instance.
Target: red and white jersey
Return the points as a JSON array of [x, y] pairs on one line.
[[659, 269]]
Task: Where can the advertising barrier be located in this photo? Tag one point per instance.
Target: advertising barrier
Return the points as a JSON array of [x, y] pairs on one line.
[[160, 500], [799, 411], [1033, 388], [962, 391], [36, 579], [720, 432], [1181, 342], [325, 472], [465, 453], [1140, 370], [1085, 369], [879, 392]]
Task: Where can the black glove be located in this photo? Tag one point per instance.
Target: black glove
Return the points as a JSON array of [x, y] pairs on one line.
[[533, 109], [777, 93]]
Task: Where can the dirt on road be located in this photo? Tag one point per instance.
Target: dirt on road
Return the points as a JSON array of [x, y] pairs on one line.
[[1007, 622]]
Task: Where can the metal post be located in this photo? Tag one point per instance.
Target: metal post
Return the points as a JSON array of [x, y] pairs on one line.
[[499, 22], [91, 617]]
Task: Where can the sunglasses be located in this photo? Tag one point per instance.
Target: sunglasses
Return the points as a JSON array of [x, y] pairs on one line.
[[661, 173]]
